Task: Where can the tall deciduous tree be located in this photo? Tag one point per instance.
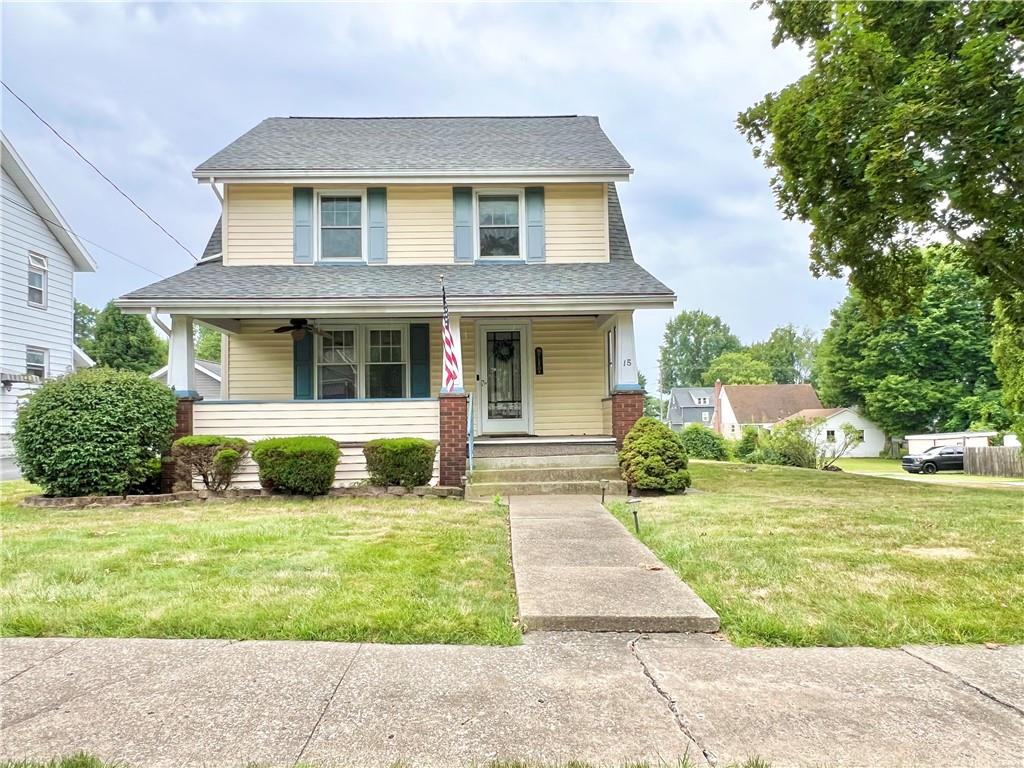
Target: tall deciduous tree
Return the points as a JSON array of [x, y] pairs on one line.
[[908, 129], [737, 368], [85, 326], [692, 340], [929, 368], [788, 353], [207, 344], [127, 341]]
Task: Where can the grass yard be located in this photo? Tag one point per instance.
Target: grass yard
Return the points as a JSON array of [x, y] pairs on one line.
[[801, 557], [383, 570]]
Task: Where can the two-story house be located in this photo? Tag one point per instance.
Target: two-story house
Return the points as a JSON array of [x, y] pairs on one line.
[[691, 405], [325, 273], [39, 256]]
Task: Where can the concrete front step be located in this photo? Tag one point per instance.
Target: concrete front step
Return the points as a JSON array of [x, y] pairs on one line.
[[591, 487], [545, 474], [523, 447], [546, 462]]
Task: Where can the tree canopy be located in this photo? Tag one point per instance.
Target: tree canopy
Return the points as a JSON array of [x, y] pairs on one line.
[[127, 342], [930, 368], [737, 368], [788, 353], [85, 326], [692, 340], [207, 344]]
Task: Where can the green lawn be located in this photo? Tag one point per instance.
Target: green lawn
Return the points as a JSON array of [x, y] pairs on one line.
[[892, 468], [385, 570], [801, 557]]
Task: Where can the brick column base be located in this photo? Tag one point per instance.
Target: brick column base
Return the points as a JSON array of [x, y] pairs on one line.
[[627, 407], [182, 427], [454, 412]]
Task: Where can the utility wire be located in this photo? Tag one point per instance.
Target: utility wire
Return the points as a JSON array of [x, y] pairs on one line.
[[91, 242], [101, 173]]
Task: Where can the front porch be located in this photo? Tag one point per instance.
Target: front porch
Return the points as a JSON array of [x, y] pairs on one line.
[[548, 382]]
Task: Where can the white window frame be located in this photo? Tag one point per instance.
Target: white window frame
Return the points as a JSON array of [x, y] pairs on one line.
[[705, 416], [318, 195], [611, 357], [46, 359], [519, 192], [362, 342], [39, 265]]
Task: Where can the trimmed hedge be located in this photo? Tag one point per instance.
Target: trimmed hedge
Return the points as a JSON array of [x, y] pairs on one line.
[[405, 461], [215, 458], [653, 458], [703, 443], [303, 465], [94, 432]]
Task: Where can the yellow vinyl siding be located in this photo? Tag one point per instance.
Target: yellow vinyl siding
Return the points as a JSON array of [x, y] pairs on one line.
[[575, 223], [350, 423], [259, 363], [258, 224], [420, 225], [567, 397], [606, 415]]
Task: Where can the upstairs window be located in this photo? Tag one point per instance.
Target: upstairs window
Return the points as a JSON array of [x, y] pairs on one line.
[[37, 281], [341, 228], [498, 230], [35, 362]]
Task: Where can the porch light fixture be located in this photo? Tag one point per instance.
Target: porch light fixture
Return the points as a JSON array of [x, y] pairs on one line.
[[538, 360], [634, 506]]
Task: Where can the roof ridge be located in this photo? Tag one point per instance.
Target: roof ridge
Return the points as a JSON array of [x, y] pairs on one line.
[[424, 117]]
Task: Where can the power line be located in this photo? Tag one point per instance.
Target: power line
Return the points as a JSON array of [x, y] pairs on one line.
[[105, 177], [91, 242]]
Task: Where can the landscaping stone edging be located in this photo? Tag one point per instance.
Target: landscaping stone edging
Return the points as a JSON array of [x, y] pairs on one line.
[[141, 500]]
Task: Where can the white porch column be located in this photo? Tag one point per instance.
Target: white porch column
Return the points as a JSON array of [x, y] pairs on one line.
[[181, 369], [626, 371], [455, 323]]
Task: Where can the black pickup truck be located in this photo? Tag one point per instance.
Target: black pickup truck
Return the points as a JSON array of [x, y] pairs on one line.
[[935, 459]]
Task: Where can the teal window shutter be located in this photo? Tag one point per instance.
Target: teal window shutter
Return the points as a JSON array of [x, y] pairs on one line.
[[302, 361], [419, 360], [377, 225], [462, 200], [535, 224], [302, 202]]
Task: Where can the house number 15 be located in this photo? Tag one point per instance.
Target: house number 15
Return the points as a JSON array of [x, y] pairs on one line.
[[627, 362]]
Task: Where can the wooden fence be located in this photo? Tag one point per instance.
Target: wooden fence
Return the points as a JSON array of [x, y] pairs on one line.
[[995, 461]]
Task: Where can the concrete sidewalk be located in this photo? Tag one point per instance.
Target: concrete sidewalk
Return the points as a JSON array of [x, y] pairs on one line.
[[577, 568], [604, 699]]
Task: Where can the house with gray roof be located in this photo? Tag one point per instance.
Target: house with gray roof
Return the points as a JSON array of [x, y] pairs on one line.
[[691, 405], [325, 273]]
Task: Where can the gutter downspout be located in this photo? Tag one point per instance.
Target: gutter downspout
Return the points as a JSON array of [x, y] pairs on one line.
[[158, 322]]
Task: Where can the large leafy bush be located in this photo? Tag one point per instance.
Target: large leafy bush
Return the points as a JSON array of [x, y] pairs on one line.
[[703, 443], [748, 444], [653, 458], [94, 432], [213, 458], [406, 461], [303, 465], [789, 444]]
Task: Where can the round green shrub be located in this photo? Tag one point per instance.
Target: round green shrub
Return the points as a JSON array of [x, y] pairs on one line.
[[653, 458], [303, 465], [703, 443], [212, 458], [749, 442], [405, 461], [94, 432]]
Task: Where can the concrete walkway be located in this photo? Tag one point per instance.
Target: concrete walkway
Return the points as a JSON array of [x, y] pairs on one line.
[[577, 568], [604, 699]]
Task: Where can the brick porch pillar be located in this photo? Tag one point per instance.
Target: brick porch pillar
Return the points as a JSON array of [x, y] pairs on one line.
[[454, 412], [182, 427], [627, 407]]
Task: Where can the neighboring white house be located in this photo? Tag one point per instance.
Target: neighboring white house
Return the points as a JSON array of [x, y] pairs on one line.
[[919, 443], [828, 432], [38, 258], [208, 379], [758, 405]]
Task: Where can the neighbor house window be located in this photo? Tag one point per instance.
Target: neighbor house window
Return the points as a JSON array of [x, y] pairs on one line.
[[498, 230], [830, 436], [341, 228], [35, 362], [385, 363], [338, 365], [37, 280], [705, 416]]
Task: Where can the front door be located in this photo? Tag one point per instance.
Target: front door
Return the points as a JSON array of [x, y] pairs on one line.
[[503, 379]]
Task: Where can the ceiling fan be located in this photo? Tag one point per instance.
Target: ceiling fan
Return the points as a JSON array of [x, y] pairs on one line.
[[298, 328]]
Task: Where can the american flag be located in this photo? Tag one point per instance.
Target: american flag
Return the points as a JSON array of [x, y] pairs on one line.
[[451, 362]]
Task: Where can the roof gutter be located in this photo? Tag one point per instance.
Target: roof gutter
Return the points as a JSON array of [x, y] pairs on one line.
[[386, 176]]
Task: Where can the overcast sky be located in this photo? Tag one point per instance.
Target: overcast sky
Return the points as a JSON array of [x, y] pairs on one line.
[[147, 92]]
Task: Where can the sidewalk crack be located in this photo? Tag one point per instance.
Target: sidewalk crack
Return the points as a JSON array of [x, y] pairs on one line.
[[709, 756], [327, 705], [39, 663], [963, 682]]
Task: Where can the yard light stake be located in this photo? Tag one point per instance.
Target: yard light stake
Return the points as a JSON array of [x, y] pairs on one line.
[[634, 507], [604, 487]]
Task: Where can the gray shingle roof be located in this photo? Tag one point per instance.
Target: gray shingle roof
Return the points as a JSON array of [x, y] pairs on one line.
[[426, 144], [213, 246]]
